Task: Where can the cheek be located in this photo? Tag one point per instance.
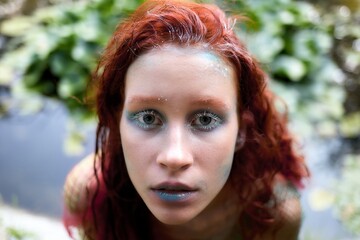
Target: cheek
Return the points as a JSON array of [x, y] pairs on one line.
[[130, 144], [222, 146], [226, 169], [217, 159], [221, 154], [138, 148]]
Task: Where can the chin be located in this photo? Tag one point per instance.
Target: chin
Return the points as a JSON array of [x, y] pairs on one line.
[[175, 217], [175, 221]]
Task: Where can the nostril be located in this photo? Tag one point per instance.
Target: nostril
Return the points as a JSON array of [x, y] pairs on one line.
[[175, 155], [175, 163]]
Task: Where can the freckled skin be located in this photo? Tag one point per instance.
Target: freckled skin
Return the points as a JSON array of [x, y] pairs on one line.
[[176, 146]]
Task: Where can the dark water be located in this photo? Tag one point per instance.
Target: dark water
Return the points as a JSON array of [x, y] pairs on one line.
[[33, 164], [33, 167], [322, 225]]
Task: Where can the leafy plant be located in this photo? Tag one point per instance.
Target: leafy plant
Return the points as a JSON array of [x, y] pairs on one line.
[[346, 54], [293, 42], [54, 52]]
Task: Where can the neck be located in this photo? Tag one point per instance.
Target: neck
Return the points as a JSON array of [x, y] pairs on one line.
[[219, 221]]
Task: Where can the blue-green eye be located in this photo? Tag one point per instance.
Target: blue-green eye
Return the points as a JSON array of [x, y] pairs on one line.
[[206, 121], [147, 119]]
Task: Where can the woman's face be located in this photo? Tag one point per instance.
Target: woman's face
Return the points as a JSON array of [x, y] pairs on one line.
[[178, 130]]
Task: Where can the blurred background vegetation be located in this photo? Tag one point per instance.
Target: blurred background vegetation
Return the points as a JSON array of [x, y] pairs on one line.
[[310, 50]]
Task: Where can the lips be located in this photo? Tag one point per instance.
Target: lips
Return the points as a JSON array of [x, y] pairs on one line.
[[173, 187], [174, 192]]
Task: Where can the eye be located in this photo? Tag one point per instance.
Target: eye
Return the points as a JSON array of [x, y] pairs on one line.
[[206, 121], [147, 119]]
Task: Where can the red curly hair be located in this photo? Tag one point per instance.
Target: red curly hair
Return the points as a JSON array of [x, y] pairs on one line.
[[265, 149]]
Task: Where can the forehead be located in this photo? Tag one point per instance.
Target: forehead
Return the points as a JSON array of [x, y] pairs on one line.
[[179, 73], [200, 57]]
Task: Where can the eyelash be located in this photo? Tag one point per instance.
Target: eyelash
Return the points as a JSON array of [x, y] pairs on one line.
[[138, 119], [206, 128]]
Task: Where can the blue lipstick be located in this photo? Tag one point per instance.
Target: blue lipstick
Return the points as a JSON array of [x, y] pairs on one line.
[[173, 196]]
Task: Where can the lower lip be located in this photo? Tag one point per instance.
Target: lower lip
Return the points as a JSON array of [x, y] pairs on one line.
[[169, 196]]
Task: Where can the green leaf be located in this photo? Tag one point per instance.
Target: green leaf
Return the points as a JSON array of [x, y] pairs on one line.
[[49, 15], [289, 94], [323, 41], [129, 5], [286, 17], [6, 75], [16, 26], [290, 67], [301, 45], [84, 53], [72, 84], [309, 44], [59, 62], [307, 13], [352, 59], [327, 72], [43, 42], [265, 46], [19, 59], [89, 29], [33, 73]]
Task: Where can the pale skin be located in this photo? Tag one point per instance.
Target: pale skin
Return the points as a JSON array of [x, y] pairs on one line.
[[179, 126], [218, 220], [177, 147]]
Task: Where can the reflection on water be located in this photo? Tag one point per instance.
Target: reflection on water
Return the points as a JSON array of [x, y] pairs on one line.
[[33, 167]]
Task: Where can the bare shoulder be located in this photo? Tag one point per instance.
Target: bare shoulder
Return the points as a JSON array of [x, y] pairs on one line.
[[288, 216], [77, 184], [79, 187], [289, 205]]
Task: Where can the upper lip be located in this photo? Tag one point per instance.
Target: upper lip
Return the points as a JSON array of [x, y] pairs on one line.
[[173, 186]]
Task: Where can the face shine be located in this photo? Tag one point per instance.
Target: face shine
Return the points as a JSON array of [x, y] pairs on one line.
[[178, 130]]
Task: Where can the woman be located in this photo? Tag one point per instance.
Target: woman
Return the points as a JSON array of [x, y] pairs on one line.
[[189, 143]]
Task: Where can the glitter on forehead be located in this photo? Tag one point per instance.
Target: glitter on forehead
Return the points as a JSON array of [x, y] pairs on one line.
[[216, 64]]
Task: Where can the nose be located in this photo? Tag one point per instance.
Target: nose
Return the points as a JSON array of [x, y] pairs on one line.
[[176, 154]]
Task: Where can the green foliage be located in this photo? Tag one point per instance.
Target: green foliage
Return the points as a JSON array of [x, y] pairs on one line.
[[294, 44], [18, 234], [55, 51]]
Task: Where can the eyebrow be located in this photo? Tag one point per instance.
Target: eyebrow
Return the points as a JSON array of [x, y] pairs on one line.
[[211, 101], [145, 99], [203, 101]]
